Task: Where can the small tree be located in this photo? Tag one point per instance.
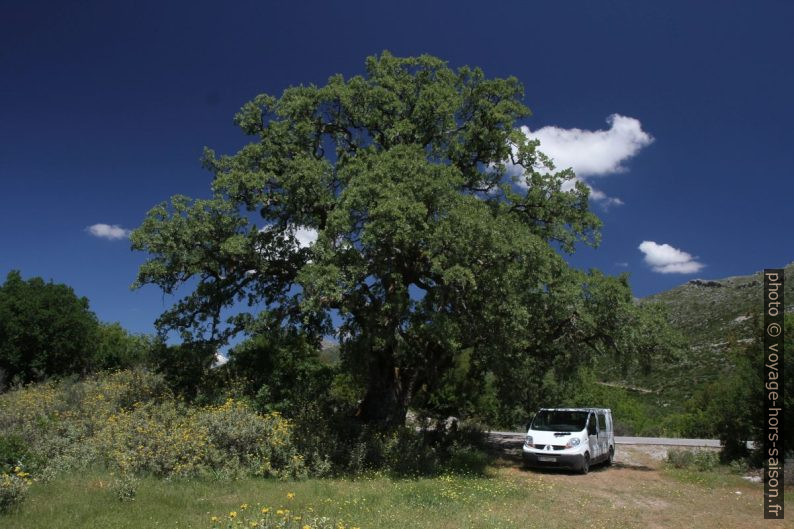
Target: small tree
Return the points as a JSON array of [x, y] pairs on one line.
[[737, 403], [45, 329], [117, 348]]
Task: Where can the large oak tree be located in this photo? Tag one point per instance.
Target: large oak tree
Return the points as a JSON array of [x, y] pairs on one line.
[[439, 228]]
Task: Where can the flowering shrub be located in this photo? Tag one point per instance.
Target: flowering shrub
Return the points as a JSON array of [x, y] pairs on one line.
[[13, 489], [131, 421], [172, 440], [124, 487], [264, 517], [58, 421]]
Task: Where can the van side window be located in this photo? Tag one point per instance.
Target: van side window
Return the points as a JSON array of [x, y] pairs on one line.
[[602, 422], [591, 425]]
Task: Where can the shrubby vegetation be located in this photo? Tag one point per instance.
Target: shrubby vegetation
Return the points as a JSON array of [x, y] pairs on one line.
[[13, 488], [46, 330], [131, 422], [733, 408], [693, 459]]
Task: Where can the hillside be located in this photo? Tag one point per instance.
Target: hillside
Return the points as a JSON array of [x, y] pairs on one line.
[[711, 314]]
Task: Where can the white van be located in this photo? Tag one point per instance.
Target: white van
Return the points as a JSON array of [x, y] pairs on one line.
[[572, 438]]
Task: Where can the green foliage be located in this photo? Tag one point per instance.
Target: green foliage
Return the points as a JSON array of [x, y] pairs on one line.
[[58, 421], [14, 452], [45, 330], [693, 459], [732, 407], [186, 367], [421, 226], [738, 404], [283, 372], [14, 487], [131, 421], [334, 441], [633, 413], [170, 440], [117, 348], [124, 486]]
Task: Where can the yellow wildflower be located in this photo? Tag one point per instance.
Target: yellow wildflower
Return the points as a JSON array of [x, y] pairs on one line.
[[265, 510], [233, 514], [214, 519], [290, 495], [244, 506]]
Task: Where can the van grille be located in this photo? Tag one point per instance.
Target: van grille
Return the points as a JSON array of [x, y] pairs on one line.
[[554, 447]]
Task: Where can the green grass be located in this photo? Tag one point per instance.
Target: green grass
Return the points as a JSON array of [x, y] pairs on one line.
[[506, 497], [87, 501]]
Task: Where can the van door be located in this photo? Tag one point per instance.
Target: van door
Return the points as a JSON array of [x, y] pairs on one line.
[[592, 435], [603, 434]]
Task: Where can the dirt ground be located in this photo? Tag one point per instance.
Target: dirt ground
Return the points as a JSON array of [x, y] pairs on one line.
[[638, 491]]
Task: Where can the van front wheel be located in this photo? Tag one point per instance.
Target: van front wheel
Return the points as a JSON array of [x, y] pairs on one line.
[[585, 464]]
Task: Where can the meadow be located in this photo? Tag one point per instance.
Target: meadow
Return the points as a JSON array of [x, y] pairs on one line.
[[635, 493], [120, 450]]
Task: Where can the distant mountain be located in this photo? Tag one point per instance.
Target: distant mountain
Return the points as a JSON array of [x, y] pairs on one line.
[[711, 312]]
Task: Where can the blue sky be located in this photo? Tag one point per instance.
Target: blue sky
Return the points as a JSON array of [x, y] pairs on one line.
[[677, 114]]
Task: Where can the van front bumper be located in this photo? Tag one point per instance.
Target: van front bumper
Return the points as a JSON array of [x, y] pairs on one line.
[[552, 460]]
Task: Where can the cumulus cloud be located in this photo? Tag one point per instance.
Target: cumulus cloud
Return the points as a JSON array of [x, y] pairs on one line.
[[220, 359], [593, 153], [666, 259], [305, 236], [112, 232]]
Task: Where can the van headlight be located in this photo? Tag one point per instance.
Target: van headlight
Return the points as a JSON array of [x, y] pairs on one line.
[[528, 441], [572, 443]]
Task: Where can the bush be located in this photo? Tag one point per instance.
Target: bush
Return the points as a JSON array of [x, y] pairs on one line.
[[131, 421], [57, 421], [13, 489], [124, 486], [693, 459], [172, 440], [13, 452]]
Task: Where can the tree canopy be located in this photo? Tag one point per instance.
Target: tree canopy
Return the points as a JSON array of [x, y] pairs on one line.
[[45, 330], [403, 212]]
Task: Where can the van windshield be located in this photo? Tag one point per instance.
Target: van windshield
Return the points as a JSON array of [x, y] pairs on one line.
[[560, 421]]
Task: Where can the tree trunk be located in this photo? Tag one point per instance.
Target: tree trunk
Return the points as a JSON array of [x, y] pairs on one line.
[[385, 403]]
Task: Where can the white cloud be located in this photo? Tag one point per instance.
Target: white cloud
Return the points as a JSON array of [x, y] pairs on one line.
[[111, 232], [220, 359], [593, 153], [305, 236], [666, 259]]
